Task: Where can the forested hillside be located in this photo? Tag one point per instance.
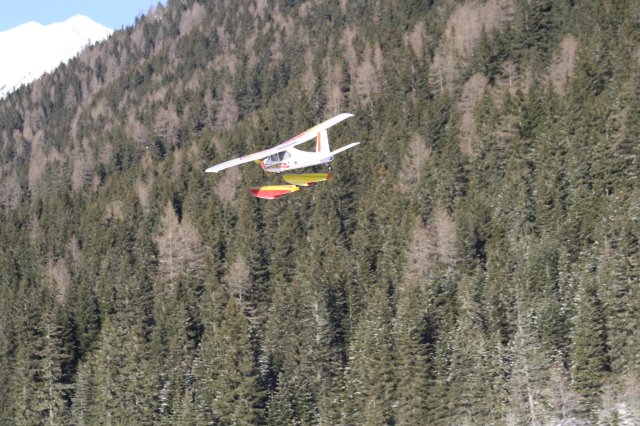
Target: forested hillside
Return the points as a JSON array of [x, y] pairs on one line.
[[475, 260]]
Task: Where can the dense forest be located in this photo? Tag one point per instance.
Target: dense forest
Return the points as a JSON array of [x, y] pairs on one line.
[[475, 260]]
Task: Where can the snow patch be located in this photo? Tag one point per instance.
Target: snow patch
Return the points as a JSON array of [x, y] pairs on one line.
[[32, 49]]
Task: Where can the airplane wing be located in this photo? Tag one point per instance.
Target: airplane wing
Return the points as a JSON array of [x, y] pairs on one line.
[[244, 159], [301, 138]]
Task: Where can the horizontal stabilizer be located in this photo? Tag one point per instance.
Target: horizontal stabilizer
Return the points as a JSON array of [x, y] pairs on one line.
[[307, 179], [271, 192], [344, 148]]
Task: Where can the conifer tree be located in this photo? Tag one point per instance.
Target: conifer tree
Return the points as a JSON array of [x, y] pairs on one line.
[[320, 282], [282, 246], [177, 334], [85, 313], [21, 389], [82, 408], [280, 409], [8, 346], [36, 389], [589, 356], [250, 251], [628, 149], [615, 263], [529, 372], [293, 398], [228, 371], [185, 411], [52, 355], [469, 382], [123, 382], [369, 381], [413, 335]]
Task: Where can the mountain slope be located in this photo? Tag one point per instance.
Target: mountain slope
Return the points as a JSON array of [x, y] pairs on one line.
[[32, 49], [474, 261]]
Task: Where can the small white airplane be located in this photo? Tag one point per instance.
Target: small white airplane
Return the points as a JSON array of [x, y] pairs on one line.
[[285, 157]]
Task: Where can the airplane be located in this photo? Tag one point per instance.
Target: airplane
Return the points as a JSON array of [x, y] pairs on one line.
[[284, 157]]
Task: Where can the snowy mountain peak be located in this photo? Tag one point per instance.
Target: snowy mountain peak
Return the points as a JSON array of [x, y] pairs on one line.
[[32, 49]]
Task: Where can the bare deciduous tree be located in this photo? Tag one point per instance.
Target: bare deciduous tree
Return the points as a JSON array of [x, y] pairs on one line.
[[412, 164], [180, 247]]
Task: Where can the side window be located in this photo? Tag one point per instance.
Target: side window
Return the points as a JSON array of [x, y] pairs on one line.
[[279, 156]]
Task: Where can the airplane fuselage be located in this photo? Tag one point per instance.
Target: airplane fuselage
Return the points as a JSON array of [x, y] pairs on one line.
[[293, 159]]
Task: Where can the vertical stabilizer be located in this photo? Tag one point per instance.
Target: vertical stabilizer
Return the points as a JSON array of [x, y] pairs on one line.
[[322, 142]]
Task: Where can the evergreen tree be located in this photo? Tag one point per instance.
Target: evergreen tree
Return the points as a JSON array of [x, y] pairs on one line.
[[529, 373], [49, 369], [470, 380], [122, 380], [413, 337], [589, 356], [82, 408], [369, 382], [85, 314], [36, 387], [615, 267], [228, 371]]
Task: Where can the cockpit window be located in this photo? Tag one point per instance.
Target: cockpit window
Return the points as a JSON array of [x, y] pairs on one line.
[[279, 156]]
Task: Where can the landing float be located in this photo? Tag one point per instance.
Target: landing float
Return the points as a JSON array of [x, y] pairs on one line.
[[271, 192]]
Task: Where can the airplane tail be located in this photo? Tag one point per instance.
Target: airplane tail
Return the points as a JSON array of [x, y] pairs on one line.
[[322, 142]]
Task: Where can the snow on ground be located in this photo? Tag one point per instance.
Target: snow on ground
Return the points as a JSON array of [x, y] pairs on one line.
[[32, 49]]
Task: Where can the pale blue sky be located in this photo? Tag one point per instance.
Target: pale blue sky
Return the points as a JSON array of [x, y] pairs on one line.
[[114, 14]]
